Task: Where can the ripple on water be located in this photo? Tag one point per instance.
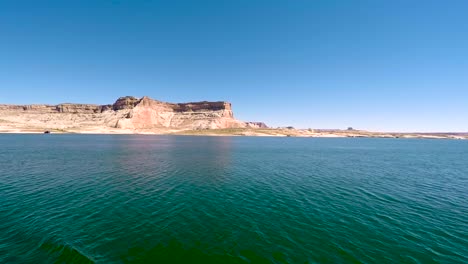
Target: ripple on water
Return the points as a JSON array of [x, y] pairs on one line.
[[140, 199]]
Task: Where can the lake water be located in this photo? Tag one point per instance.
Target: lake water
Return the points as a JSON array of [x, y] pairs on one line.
[[178, 199]]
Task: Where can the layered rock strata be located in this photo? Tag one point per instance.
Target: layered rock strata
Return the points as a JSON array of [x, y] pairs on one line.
[[128, 113]]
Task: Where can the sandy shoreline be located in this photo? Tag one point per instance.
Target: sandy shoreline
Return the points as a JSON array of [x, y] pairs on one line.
[[244, 132]]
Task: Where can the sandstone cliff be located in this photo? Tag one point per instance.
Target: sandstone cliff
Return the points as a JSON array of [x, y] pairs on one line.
[[127, 113], [147, 113], [256, 125]]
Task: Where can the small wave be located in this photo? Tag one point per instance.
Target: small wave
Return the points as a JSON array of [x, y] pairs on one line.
[[61, 253]]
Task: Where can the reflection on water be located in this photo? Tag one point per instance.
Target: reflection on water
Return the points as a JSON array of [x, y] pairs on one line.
[[140, 153]]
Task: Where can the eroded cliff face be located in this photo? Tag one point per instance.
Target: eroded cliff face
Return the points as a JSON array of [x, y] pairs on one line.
[[61, 108], [256, 125], [128, 113], [148, 113]]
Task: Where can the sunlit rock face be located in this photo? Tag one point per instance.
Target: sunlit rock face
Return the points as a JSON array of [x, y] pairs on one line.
[[126, 113], [256, 125], [149, 113]]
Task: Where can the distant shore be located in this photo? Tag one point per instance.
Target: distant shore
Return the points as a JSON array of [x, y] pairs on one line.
[[266, 132], [131, 115]]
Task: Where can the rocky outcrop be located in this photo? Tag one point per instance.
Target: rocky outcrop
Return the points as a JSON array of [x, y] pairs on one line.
[[127, 102], [148, 113], [61, 108], [128, 113], [256, 125], [82, 108]]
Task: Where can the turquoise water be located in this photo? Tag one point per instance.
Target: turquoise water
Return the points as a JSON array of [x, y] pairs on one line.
[[176, 199]]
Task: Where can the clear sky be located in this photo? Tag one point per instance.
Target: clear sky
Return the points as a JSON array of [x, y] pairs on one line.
[[378, 65]]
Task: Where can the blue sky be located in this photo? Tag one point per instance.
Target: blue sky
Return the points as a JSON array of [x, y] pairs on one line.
[[377, 65]]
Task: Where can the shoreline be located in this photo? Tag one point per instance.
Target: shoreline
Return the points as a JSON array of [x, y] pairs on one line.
[[271, 132]]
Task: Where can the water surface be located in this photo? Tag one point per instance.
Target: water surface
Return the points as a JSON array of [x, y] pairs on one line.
[[178, 199]]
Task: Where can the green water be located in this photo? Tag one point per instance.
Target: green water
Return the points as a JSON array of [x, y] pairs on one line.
[[170, 199]]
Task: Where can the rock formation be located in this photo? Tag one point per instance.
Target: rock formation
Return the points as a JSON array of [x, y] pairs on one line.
[[256, 125], [147, 113], [127, 113]]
